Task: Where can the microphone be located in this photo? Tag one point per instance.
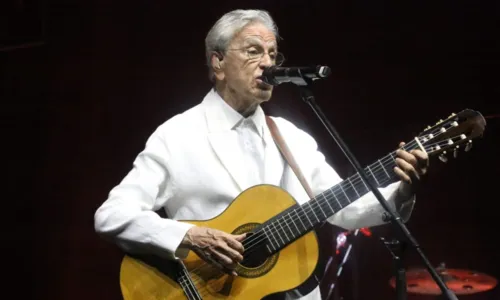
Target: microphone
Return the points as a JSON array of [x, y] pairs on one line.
[[297, 75]]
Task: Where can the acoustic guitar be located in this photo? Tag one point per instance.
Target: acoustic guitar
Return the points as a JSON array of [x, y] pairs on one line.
[[281, 248]]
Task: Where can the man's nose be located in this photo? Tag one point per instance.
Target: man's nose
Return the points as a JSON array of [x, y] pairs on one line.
[[266, 61]]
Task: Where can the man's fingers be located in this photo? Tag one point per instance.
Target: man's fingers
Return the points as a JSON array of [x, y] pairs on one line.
[[418, 158], [407, 168], [221, 257], [226, 263], [422, 158], [235, 255], [402, 175], [219, 248], [210, 257], [240, 237], [217, 259], [218, 264], [407, 157], [235, 244]]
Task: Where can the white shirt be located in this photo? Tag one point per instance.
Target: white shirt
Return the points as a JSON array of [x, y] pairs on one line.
[[194, 165], [250, 133]]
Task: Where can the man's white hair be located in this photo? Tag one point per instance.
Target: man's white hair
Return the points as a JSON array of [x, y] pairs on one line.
[[220, 35]]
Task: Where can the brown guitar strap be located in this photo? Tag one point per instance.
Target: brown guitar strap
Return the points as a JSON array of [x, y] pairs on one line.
[[278, 139]]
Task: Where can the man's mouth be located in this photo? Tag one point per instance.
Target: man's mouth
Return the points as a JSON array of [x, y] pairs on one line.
[[260, 80], [262, 84]]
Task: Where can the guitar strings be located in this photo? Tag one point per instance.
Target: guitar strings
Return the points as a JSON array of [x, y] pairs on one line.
[[320, 202], [202, 291], [184, 278], [332, 190], [376, 170], [193, 291], [249, 250], [380, 168], [203, 287], [188, 292], [310, 208], [192, 295], [251, 247], [338, 190]]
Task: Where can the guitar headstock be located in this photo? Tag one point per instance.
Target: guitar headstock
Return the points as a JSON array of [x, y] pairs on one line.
[[453, 133]]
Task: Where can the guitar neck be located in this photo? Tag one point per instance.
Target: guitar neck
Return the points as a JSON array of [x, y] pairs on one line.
[[299, 220]]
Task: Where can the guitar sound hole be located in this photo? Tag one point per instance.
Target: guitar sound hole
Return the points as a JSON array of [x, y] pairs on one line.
[[256, 253]]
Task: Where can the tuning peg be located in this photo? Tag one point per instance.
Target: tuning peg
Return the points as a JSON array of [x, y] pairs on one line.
[[439, 122], [468, 146], [427, 128], [443, 157], [455, 152], [452, 115]]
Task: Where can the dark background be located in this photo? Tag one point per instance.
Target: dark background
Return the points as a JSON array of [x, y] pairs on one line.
[[84, 83]]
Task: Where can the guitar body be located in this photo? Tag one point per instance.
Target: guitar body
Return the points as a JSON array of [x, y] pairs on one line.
[[293, 268]]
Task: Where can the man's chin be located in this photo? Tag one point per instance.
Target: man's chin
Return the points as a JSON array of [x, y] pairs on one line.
[[264, 95]]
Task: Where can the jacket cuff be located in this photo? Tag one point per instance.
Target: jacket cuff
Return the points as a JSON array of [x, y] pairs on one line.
[[170, 238]]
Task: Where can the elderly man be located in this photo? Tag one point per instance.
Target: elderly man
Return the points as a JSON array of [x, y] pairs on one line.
[[196, 163]]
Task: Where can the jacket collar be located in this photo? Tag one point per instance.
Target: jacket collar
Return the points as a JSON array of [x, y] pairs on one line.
[[221, 117], [221, 121]]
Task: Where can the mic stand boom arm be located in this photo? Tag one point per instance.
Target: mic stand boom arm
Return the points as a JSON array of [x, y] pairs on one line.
[[308, 97]]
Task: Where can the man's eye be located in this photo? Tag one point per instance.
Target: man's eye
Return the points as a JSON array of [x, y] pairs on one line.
[[253, 51]]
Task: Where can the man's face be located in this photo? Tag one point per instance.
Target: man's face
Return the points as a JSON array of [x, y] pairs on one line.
[[249, 52]]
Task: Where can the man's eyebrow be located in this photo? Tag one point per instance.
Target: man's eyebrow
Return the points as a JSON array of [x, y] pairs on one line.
[[258, 42]]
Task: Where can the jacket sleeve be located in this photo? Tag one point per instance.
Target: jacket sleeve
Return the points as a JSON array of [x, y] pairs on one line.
[[128, 218], [366, 211]]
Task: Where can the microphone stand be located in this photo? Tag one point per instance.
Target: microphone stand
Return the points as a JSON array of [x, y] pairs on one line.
[[308, 97], [396, 248]]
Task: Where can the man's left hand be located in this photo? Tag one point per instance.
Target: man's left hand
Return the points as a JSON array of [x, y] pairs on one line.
[[411, 166]]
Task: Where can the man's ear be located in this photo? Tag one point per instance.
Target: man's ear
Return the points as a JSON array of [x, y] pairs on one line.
[[217, 62]]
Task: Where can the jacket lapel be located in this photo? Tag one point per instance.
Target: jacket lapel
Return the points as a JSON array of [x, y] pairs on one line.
[[225, 146], [223, 140]]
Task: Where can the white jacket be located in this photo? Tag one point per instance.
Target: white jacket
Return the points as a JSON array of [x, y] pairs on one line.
[[190, 167]]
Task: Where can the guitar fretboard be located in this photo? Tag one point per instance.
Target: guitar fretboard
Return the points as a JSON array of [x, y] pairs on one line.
[[298, 221]]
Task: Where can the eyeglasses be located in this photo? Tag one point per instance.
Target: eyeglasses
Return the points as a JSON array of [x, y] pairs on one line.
[[256, 54]]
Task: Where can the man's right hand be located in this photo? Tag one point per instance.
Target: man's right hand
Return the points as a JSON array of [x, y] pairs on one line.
[[219, 248]]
